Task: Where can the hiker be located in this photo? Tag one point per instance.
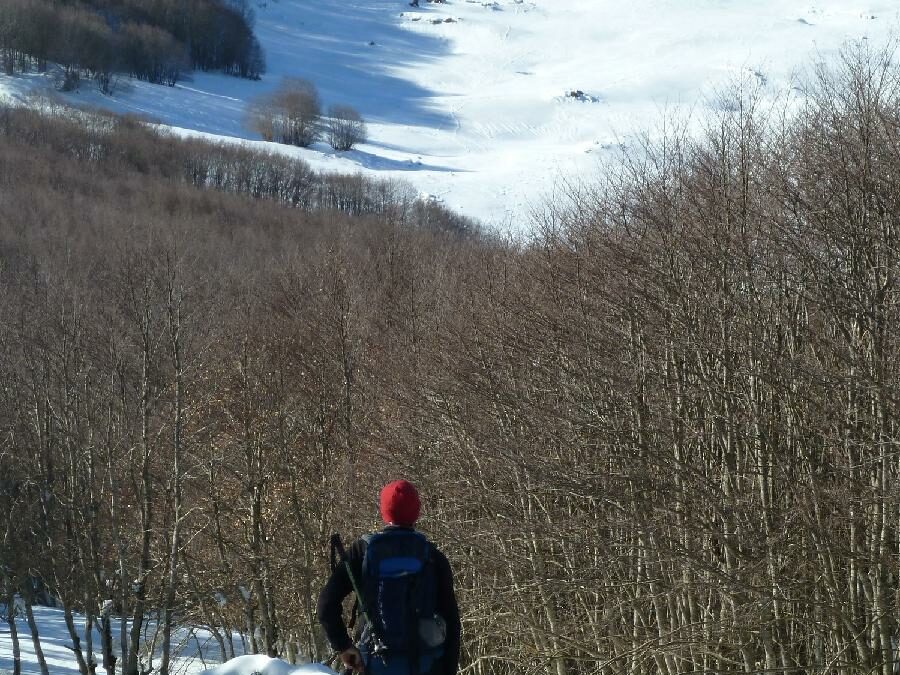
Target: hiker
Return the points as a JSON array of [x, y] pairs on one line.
[[409, 619]]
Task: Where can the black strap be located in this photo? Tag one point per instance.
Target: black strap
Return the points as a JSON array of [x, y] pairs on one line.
[[354, 615], [415, 591], [414, 630]]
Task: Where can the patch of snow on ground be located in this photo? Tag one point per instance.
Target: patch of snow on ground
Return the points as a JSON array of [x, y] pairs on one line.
[[264, 665], [471, 100]]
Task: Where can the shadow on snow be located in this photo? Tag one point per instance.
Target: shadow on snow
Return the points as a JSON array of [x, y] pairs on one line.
[[326, 42], [55, 642]]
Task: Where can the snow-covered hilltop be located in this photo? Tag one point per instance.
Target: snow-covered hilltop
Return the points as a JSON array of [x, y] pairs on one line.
[[485, 104]]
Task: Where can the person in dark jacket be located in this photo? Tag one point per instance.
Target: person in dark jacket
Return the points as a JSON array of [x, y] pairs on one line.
[[378, 653]]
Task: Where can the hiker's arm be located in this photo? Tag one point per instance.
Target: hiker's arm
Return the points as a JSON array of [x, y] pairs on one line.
[[331, 600], [448, 609]]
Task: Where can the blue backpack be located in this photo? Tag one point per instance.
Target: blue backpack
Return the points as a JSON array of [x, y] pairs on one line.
[[400, 593]]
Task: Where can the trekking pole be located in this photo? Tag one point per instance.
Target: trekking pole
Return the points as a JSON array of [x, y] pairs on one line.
[[338, 546]]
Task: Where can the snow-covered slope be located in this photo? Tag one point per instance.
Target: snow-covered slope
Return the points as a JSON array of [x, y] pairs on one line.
[[467, 99]]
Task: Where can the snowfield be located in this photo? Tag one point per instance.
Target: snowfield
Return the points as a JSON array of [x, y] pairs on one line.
[[471, 100]]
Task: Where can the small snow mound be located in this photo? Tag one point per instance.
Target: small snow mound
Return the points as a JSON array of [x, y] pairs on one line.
[[258, 664]]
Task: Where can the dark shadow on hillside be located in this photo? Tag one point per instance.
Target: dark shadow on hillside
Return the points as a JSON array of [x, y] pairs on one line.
[[324, 41], [373, 162], [344, 65]]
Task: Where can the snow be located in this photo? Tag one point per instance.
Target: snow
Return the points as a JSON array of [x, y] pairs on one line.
[[264, 665], [196, 654], [54, 637], [476, 111], [195, 650]]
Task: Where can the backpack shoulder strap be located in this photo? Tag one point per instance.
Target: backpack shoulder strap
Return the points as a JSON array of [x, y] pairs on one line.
[[367, 538]]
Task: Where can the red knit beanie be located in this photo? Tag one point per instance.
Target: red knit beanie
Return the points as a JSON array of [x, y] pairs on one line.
[[400, 503]]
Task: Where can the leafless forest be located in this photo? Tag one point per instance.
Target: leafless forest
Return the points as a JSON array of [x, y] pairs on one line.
[[660, 437], [155, 40]]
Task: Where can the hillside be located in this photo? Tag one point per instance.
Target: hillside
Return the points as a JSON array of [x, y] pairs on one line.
[[658, 437], [468, 99]]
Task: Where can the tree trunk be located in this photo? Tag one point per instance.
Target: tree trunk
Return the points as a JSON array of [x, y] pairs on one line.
[[89, 642], [35, 638], [13, 630], [76, 641], [146, 489], [106, 639], [173, 307]]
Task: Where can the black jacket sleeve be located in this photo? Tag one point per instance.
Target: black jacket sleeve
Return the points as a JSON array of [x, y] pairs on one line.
[[447, 608], [331, 600]]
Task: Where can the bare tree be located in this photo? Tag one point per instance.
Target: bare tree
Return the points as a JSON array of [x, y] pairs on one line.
[[261, 117], [345, 127], [291, 114]]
